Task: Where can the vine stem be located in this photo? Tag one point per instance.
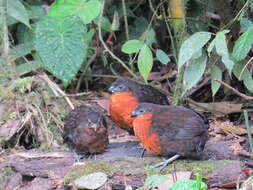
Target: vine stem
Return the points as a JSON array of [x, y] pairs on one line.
[[105, 46], [5, 46], [246, 117]]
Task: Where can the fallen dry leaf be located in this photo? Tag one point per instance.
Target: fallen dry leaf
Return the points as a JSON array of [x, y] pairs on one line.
[[172, 180], [238, 150], [103, 103]]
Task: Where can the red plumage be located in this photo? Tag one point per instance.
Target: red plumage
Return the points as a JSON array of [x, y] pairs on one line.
[[126, 94]]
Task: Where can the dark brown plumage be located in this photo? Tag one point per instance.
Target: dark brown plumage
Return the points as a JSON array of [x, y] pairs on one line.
[[126, 94], [85, 130], [170, 130]]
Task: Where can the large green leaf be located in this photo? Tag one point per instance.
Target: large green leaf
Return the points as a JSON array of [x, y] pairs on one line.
[[86, 10], [145, 61], [61, 46], [194, 72], [215, 74], [132, 46], [17, 10], [243, 45], [192, 45], [222, 50]]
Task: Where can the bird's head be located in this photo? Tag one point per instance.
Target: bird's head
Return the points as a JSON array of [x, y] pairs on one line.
[[141, 109], [94, 119], [122, 84]]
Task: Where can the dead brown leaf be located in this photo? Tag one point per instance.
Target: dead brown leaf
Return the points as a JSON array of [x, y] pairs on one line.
[[178, 175], [103, 103], [238, 150]]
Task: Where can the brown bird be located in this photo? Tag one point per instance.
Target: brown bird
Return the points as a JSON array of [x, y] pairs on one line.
[[85, 130], [126, 95], [170, 130]]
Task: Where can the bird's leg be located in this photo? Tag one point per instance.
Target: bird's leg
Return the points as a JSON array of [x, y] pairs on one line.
[[143, 152], [92, 156], [78, 157], [166, 162]]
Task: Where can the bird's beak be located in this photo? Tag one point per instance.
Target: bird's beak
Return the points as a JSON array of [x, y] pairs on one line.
[[134, 114], [94, 127], [111, 89]]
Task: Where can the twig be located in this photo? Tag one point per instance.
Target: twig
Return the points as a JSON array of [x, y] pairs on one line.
[[245, 67], [105, 46], [126, 29], [248, 131], [234, 90], [125, 19], [56, 89], [174, 49], [91, 59]]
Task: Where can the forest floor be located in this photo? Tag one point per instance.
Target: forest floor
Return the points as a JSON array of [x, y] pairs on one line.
[[33, 156]]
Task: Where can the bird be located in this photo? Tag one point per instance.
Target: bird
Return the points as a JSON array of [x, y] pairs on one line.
[[85, 130], [170, 131], [126, 94]]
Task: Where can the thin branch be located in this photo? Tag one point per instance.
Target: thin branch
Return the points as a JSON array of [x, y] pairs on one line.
[[234, 90], [105, 46], [91, 59], [55, 88]]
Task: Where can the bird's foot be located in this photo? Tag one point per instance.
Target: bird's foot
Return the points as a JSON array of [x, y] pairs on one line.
[[166, 162], [91, 156], [78, 157]]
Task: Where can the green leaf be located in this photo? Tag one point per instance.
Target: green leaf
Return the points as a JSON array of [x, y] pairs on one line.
[[220, 43], [192, 45], [21, 50], [17, 10], [155, 180], [145, 61], [215, 74], [246, 76], [105, 24], [243, 45], [246, 23], [222, 50], [149, 37], [194, 72], [132, 46], [61, 46], [187, 184], [36, 12], [27, 67], [248, 81], [86, 10], [228, 63], [162, 56], [210, 47], [237, 70]]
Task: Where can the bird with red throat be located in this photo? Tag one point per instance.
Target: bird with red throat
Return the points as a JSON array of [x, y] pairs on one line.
[[85, 130], [126, 95], [170, 131]]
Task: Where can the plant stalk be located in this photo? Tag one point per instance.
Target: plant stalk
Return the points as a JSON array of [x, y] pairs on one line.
[[246, 118]]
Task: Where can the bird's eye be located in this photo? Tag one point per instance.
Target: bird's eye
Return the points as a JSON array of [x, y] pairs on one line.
[[120, 86], [141, 111]]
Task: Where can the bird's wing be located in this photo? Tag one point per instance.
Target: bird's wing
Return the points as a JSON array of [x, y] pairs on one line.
[[176, 122], [181, 131]]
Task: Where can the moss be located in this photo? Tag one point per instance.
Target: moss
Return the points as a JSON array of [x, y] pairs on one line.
[[88, 168], [5, 174]]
